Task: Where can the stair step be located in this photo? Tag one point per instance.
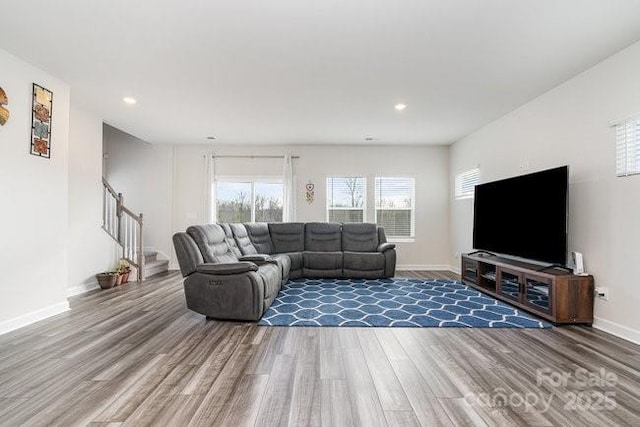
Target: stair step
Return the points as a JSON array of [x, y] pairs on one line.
[[150, 256], [155, 267]]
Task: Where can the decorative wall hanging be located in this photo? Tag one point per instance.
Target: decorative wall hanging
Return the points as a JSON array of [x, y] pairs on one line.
[[4, 113], [41, 122], [310, 194]]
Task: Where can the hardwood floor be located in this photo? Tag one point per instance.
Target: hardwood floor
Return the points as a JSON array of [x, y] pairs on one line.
[[134, 355]]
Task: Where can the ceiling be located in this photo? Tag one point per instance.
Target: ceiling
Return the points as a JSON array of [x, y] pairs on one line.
[[312, 72]]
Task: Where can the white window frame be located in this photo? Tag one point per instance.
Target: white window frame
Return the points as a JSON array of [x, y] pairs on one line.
[[245, 180], [465, 183], [364, 197], [627, 134], [412, 226]]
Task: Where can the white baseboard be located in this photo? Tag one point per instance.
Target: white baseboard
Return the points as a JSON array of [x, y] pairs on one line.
[[34, 316], [423, 267], [85, 287], [617, 329]]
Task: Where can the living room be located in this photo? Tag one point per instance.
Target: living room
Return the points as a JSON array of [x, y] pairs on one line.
[[529, 88]]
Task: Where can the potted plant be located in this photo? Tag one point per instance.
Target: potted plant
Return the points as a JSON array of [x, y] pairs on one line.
[[107, 279], [123, 269]]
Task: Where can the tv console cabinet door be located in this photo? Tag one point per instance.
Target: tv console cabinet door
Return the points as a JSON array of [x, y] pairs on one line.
[[538, 293], [469, 270], [509, 284]]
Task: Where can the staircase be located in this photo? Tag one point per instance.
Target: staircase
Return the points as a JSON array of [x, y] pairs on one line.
[[125, 227], [153, 265]]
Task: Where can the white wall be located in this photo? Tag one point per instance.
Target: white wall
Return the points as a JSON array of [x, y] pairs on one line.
[[141, 172], [34, 213], [91, 250], [570, 125]]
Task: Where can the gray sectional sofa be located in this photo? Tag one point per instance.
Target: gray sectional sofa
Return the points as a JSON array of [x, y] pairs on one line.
[[234, 271]]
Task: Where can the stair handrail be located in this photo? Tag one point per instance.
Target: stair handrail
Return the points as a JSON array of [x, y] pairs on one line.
[[124, 226]]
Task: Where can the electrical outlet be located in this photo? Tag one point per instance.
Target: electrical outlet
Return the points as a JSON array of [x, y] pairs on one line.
[[456, 255], [602, 293]]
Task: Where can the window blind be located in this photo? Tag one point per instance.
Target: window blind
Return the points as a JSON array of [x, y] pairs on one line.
[[628, 147], [466, 182], [395, 205]]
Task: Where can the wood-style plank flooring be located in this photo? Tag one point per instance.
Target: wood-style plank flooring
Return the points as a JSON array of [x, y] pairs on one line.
[[134, 355]]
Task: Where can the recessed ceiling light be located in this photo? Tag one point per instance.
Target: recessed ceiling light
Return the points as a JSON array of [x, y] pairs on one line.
[[400, 107], [211, 137], [129, 100]]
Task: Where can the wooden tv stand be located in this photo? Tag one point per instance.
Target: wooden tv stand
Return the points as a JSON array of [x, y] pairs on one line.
[[553, 294]]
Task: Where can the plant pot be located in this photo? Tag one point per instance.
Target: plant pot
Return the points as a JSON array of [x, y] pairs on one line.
[[107, 280], [123, 277]]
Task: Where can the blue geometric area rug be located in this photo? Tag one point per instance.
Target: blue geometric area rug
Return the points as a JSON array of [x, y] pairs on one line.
[[391, 303]]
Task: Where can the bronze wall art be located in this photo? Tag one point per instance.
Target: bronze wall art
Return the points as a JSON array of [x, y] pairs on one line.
[[41, 122], [4, 112]]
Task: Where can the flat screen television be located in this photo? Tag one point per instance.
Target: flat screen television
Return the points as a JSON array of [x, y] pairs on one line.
[[524, 216]]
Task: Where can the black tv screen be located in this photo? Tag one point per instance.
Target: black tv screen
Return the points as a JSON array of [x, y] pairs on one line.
[[524, 216]]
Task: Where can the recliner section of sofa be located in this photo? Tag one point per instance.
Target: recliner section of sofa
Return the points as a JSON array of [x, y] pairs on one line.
[[360, 245], [218, 283], [234, 271], [322, 256]]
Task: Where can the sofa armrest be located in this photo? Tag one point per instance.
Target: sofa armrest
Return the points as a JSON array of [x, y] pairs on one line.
[[258, 259], [226, 269], [386, 246]]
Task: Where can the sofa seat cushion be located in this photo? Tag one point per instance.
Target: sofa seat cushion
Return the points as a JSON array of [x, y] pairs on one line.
[[284, 261], [295, 269], [364, 261], [364, 265], [271, 277], [322, 264], [359, 237]]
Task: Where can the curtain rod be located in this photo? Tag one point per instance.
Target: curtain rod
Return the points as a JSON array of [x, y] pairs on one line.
[[252, 157]]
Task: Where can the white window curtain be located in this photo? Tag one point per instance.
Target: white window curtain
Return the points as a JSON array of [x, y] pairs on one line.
[[209, 189], [289, 202]]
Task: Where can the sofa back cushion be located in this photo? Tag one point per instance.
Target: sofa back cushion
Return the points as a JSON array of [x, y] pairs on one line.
[[287, 236], [210, 239], [228, 237], [359, 237], [322, 237], [242, 239], [259, 235]]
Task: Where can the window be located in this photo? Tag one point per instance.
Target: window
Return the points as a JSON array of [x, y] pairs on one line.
[[249, 200], [466, 183], [346, 199], [395, 206], [628, 146]]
